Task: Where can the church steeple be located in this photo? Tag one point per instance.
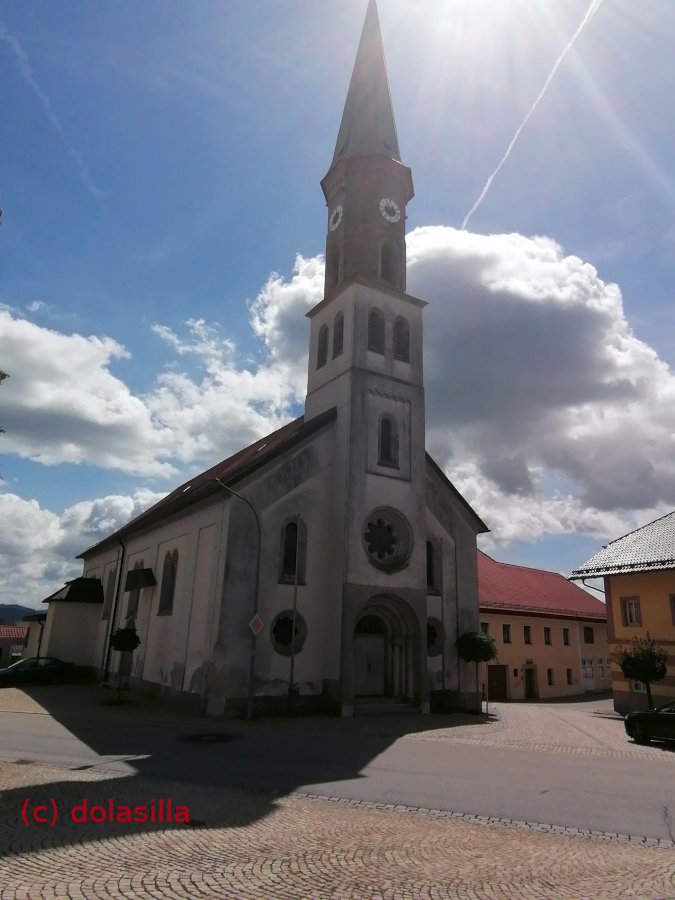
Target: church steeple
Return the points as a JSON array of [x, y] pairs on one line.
[[368, 126], [367, 187]]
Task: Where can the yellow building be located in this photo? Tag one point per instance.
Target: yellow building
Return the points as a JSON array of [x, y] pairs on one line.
[[551, 635], [639, 574]]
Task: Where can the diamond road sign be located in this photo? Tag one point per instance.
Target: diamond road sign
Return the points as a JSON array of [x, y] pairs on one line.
[[256, 625]]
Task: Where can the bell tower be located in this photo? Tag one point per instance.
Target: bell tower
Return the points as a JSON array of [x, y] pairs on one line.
[[365, 362], [367, 187]]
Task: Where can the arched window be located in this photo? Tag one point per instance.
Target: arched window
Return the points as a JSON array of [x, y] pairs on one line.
[[109, 594], [401, 339], [134, 595], [387, 262], [322, 350], [376, 330], [334, 269], [293, 551], [433, 568], [388, 442], [338, 334], [168, 589]]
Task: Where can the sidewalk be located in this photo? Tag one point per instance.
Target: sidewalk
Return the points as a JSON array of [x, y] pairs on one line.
[[249, 847]]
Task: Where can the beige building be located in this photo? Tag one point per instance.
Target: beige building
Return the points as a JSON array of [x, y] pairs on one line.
[[551, 635], [639, 575]]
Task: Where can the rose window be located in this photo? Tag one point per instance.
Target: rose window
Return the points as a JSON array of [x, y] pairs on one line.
[[387, 539]]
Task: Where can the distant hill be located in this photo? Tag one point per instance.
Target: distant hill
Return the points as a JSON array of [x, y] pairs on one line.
[[12, 613]]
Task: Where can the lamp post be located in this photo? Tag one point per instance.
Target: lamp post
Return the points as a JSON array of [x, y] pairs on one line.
[[254, 638]]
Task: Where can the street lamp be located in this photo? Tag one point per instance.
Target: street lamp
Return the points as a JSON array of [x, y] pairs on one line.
[[254, 637]]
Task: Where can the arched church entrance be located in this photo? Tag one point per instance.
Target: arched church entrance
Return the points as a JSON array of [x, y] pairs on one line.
[[386, 650]]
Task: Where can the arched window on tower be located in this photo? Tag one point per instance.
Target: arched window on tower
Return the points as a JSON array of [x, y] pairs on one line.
[[388, 442], [401, 339], [376, 330], [338, 334], [334, 269], [388, 262], [293, 551], [322, 348]]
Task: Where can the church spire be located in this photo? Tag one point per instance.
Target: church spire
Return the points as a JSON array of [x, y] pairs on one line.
[[368, 126], [367, 187]]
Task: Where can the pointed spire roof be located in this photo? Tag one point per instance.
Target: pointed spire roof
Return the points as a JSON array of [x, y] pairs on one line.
[[368, 126]]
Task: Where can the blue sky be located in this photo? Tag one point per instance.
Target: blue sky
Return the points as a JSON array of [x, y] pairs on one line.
[[161, 160]]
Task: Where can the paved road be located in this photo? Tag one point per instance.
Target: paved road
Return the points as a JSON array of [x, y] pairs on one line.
[[534, 764], [560, 764]]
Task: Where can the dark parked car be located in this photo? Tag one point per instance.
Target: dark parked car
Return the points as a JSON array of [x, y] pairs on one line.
[[651, 723], [37, 670]]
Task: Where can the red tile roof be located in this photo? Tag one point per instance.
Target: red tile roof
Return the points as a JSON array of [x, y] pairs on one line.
[[502, 586], [14, 632]]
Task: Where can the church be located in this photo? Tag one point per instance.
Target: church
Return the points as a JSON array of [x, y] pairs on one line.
[[332, 564]]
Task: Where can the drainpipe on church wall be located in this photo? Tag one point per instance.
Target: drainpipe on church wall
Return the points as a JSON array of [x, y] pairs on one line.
[[442, 623], [113, 612], [291, 675]]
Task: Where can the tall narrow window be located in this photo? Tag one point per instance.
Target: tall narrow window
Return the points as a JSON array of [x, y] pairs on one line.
[[376, 331], [430, 565], [134, 596], [322, 347], [168, 589], [527, 634], [334, 269], [387, 262], [109, 594], [401, 339], [506, 634], [547, 635], [566, 637], [338, 334], [388, 443], [290, 549], [293, 551]]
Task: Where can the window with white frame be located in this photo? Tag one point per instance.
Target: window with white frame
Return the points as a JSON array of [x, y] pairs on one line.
[[630, 611], [638, 687], [601, 668], [587, 668]]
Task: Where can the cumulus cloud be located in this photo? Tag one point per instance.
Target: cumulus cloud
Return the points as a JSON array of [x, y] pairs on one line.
[[63, 404], [38, 547], [542, 406], [533, 374]]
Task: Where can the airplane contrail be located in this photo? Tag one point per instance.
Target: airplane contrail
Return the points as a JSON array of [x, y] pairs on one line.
[[590, 12], [29, 78]]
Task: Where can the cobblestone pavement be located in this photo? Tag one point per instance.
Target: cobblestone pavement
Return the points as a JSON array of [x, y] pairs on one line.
[[247, 846]]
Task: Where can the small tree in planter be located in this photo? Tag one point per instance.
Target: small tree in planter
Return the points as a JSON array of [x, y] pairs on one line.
[[476, 647], [124, 640], [642, 660]]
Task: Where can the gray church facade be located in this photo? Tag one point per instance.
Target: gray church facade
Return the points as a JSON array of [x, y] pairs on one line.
[[331, 563]]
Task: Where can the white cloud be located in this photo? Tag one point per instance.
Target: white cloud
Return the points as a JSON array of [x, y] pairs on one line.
[[62, 403], [38, 547], [542, 405]]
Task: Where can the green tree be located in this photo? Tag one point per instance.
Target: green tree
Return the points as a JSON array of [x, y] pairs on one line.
[[476, 647], [643, 660]]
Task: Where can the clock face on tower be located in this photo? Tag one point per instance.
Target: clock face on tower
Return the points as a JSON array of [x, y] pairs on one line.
[[390, 210], [335, 218]]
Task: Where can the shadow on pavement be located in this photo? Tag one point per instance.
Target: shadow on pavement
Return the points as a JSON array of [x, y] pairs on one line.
[[154, 752]]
